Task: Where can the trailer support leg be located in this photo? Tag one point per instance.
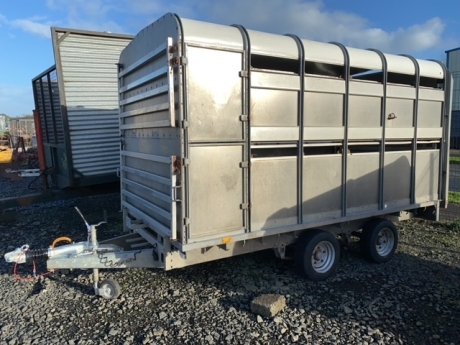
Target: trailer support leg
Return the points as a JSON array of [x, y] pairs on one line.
[[96, 280]]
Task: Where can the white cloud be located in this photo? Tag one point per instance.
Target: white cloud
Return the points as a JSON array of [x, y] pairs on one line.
[[311, 20], [35, 25], [87, 15], [308, 19], [421, 37], [32, 27]]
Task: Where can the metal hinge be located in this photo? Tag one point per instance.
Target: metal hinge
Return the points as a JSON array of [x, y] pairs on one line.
[[245, 206], [244, 165], [186, 221], [185, 161], [244, 74], [185, 124], [174, 196], [244, 118], [179, 60]]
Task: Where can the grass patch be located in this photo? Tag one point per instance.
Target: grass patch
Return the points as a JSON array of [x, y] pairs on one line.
[[454, 197], [454, 160], [454, 226]]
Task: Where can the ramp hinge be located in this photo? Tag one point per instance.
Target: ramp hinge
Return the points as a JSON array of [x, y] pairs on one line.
[[245, 206], [186, 221], [179, 60], [185, 124], [244, 118], [185, 161], [244, 165], [244, 74]]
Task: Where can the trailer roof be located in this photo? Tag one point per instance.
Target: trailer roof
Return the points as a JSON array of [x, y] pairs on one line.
[[287, 46]]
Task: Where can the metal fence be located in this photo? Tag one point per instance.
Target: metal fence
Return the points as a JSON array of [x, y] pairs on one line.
[[22, 128]]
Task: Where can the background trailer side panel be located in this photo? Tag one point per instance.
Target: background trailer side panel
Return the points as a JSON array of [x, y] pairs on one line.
[[77, 101]]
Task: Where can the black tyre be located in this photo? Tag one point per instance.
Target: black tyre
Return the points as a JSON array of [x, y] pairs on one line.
[[109, 289], [379, 240], [317, 255]]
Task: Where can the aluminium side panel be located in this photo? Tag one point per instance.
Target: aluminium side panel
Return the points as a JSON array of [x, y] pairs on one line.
[[216, 135], [86, 65], [216, 142]]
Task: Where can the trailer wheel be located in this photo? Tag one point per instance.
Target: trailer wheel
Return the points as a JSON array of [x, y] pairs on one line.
[[379, 240], [109, 289], [317, 255]]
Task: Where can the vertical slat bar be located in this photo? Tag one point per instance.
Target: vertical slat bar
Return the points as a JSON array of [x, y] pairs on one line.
[[301, 100], [383, 124], [183, 101], [415, 124], [445, 141], [345, 124], [246, 93]]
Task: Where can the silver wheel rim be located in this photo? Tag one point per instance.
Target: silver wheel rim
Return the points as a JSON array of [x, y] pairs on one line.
[[107, 290], [323, 257], [385, 242]]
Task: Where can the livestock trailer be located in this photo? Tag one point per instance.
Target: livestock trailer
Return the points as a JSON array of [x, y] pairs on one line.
[[77, 105], [234, 141]]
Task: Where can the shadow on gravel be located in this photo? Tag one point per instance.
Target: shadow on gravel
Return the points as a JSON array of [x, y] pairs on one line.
[[85, 289], [37, 288], [409, 299]]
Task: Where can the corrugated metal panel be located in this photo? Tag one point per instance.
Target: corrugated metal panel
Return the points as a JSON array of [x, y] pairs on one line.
[[88, 63], [453, 64], [455, 124], [453, 59]]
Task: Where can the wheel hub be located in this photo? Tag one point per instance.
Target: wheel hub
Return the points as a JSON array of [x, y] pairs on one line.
[[107, 291], [323, 256], [385, 242]]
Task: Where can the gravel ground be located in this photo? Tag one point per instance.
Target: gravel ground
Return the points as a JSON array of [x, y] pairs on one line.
[[413, 299], [12, 185]]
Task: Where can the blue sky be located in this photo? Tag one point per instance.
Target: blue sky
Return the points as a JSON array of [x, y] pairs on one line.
[[425, 29]]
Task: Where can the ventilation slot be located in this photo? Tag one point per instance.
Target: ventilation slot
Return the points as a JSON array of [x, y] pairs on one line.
[[272, 63], [323, 69]]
